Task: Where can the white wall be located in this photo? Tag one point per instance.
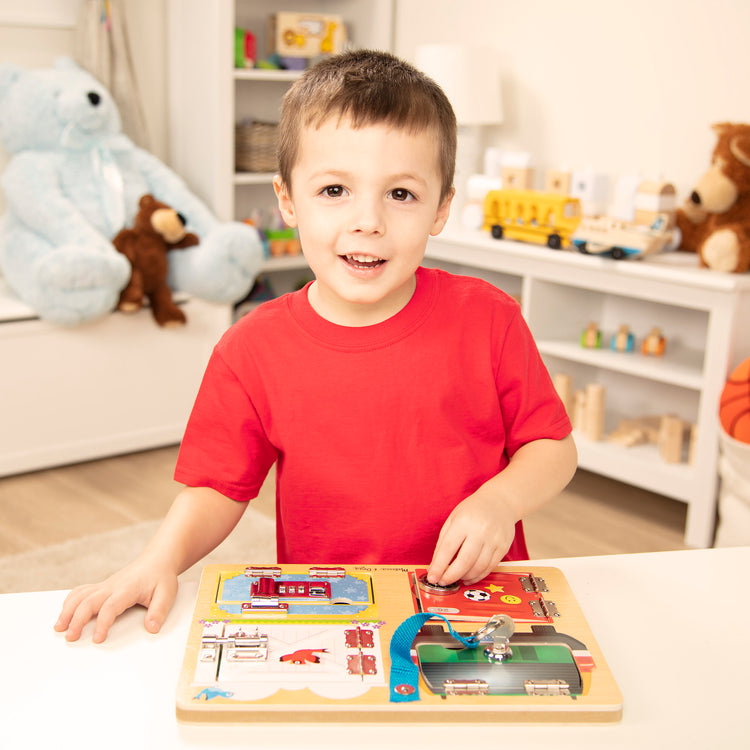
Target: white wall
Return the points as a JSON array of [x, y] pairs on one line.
[[34, 33], [621, 86]]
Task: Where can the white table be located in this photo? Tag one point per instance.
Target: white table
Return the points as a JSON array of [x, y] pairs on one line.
[[673, 628]]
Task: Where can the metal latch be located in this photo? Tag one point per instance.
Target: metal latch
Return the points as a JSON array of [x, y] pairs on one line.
[[495, 635], [546, 687], [262, 571], [239, 647], [498, 626], [248, 647], [466, 687]]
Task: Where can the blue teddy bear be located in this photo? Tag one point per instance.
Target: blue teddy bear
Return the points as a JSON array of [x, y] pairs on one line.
[[74, 181]]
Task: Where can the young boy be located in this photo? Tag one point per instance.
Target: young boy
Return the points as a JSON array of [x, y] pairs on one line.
[[407, 410]]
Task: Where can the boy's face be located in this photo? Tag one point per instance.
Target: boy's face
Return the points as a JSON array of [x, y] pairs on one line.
[[364, 201]]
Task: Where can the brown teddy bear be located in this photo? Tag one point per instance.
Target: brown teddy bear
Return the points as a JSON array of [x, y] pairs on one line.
[[715, 220], [157, 230]]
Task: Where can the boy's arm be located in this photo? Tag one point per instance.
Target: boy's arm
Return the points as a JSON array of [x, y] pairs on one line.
[[198, 521], [479, 531]]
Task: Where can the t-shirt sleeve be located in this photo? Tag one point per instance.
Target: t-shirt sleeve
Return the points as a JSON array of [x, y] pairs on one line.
[[531, 408], [225, 446]]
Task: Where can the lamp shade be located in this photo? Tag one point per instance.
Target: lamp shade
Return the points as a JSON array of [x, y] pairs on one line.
[[470, 78]]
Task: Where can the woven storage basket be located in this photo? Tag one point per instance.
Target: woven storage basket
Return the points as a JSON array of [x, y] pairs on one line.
[[255, 146]]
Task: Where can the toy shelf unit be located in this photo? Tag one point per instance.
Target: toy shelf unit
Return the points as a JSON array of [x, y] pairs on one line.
[[701, 313], [209, 96]]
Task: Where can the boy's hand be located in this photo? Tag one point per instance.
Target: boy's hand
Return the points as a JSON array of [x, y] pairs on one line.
[[480, 530], [473, 540], [141, 582]]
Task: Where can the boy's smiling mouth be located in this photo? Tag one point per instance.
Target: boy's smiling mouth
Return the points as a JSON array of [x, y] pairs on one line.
[[363, 262]]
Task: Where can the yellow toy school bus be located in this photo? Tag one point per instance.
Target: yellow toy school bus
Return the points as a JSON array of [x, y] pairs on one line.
[[532, 216]]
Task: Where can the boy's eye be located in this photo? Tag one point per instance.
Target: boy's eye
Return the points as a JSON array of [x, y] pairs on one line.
[[401, 194], [333, 191]]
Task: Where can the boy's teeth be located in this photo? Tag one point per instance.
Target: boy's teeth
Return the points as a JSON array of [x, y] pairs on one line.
[[362, 258]]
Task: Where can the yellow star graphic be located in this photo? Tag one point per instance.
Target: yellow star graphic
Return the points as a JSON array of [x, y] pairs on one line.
[[493, 588]]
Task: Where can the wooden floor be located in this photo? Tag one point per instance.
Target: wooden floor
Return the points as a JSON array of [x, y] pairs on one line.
[[594, 516]]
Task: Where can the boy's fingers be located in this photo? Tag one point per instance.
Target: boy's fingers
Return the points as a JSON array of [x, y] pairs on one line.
[[103, 624], [445, 551], [161, 602], [484, 564], [69, 607], [108, 600], [84, 611], [112, 607], [463, 563]]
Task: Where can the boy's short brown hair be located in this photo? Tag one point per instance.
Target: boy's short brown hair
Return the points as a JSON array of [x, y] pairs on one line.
[[368, 87]]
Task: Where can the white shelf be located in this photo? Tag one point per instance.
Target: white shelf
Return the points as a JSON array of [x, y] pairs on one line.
[[677, 274], [260, 74], [680, 367], [284, 263], [71, 394], [702, 314], [639, 465], [253, 178]]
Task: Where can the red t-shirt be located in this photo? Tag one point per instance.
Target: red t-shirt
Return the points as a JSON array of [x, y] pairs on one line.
[[378, 432]]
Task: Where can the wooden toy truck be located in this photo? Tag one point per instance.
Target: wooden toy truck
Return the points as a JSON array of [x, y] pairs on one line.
[[621, 239]]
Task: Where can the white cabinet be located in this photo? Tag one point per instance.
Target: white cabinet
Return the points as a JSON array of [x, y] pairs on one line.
[[207, 95], [703, 315], [110, 386]]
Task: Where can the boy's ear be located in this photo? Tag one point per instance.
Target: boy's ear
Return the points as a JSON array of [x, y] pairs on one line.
[[286, 207], [443, 212]]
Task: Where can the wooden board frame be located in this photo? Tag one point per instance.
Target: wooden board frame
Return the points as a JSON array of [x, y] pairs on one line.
[[311, 643]]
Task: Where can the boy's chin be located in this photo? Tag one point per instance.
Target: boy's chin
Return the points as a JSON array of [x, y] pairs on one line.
[[362, 304]]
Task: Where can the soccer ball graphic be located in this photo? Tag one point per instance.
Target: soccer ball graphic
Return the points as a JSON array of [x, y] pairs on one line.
[[477, 595]]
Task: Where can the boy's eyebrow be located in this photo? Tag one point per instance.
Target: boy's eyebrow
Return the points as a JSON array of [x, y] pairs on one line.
[[407, 176], [345, 174]]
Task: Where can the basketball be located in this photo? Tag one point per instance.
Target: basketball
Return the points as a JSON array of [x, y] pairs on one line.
[[734, 407]]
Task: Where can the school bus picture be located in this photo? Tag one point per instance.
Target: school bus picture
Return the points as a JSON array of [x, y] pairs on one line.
[[531, 216]]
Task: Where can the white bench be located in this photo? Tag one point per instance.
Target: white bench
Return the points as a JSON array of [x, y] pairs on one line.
[[117, 385]]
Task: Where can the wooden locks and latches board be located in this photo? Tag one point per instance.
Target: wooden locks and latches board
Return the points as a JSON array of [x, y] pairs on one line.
[[380, 643]]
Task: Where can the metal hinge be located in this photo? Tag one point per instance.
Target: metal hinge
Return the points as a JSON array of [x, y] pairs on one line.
[[359, 638], [361, 664], [544, 608], [466, 687], [533, 583], [546, 687]]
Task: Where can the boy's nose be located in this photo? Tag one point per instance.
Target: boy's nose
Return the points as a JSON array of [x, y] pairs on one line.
[[367, 217]]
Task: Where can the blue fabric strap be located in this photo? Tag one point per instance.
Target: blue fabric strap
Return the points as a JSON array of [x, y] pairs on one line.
[[404, 677]]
